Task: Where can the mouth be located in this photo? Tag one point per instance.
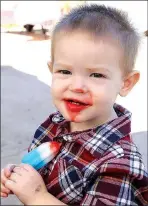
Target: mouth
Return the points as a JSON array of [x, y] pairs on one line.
[[75, 105], [78, 102]]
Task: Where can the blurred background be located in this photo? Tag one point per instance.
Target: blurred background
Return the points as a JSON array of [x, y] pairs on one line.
[[26, 28]]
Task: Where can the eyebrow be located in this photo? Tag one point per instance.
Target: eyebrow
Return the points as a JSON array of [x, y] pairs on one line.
[[62, 65], [99, 67]]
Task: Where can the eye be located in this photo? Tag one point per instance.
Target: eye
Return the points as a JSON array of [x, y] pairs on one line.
[[64, 72], [97, 75]]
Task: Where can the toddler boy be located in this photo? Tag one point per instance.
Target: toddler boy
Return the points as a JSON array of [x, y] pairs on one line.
[[93, 55]]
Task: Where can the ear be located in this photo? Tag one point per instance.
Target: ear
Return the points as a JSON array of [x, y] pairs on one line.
[[49, 64], [129, 82]]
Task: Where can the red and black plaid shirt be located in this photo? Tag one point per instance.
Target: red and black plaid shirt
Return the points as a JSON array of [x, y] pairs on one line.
[[99, 166]]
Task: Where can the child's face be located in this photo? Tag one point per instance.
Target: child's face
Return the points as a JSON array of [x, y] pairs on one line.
[[88, 71]]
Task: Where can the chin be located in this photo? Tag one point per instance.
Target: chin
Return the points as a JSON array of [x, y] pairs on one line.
[[76, 121], [66, 116], [72, 118]]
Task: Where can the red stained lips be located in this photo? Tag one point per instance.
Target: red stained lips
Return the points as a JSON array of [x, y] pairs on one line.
[[75, 105]]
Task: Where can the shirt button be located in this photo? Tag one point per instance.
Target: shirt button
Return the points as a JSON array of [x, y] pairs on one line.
[[67, 138]]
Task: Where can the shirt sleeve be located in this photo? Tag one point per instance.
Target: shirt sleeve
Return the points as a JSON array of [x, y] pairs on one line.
[[117, 188]]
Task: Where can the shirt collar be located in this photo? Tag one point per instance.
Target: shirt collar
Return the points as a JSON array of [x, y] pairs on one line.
[[97, 140]]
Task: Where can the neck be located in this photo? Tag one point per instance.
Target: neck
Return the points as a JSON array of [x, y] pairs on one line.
[[81, 126]]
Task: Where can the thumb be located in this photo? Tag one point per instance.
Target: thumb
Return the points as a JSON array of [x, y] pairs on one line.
[[8, 169]]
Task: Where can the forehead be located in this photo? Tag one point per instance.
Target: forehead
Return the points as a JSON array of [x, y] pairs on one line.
[[85, 49]]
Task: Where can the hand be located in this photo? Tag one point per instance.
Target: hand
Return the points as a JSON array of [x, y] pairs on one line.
[[5, 174], [26, 183]]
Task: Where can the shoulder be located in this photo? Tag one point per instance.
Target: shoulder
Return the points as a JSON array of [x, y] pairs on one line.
[[45, 131], [47, 124], [124, 157]]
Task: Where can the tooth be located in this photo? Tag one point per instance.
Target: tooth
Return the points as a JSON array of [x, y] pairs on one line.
[[75, 103]]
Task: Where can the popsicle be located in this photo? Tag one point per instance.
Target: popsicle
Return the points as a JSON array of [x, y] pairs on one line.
[[41, 155]]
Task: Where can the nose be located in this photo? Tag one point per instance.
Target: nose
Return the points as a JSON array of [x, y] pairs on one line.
[[78, 84]]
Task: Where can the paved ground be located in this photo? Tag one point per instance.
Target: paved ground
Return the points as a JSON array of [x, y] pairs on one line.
[[26, 100]]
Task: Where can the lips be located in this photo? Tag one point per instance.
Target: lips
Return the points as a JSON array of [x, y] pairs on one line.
[[75, 105]]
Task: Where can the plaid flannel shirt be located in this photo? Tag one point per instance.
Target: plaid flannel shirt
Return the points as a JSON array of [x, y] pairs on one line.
[[99, 166]]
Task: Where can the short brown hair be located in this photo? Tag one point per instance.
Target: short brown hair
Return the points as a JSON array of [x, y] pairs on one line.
[[101, 20]]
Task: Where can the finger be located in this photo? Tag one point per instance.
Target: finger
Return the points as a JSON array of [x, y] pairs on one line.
[[4, 194], [14, 177], [10, 185], [27, 167], [18, 170], [8, 169], [4, 189], [3, 177]]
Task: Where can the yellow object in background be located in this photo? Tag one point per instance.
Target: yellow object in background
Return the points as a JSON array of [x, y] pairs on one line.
[[66, 6]]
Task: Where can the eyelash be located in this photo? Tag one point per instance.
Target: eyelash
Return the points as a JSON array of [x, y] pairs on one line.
[[96, 75], [64, 72]]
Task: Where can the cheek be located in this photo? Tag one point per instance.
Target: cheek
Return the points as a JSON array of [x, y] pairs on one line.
[[56, 86], [54, 94], [105, 93]]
